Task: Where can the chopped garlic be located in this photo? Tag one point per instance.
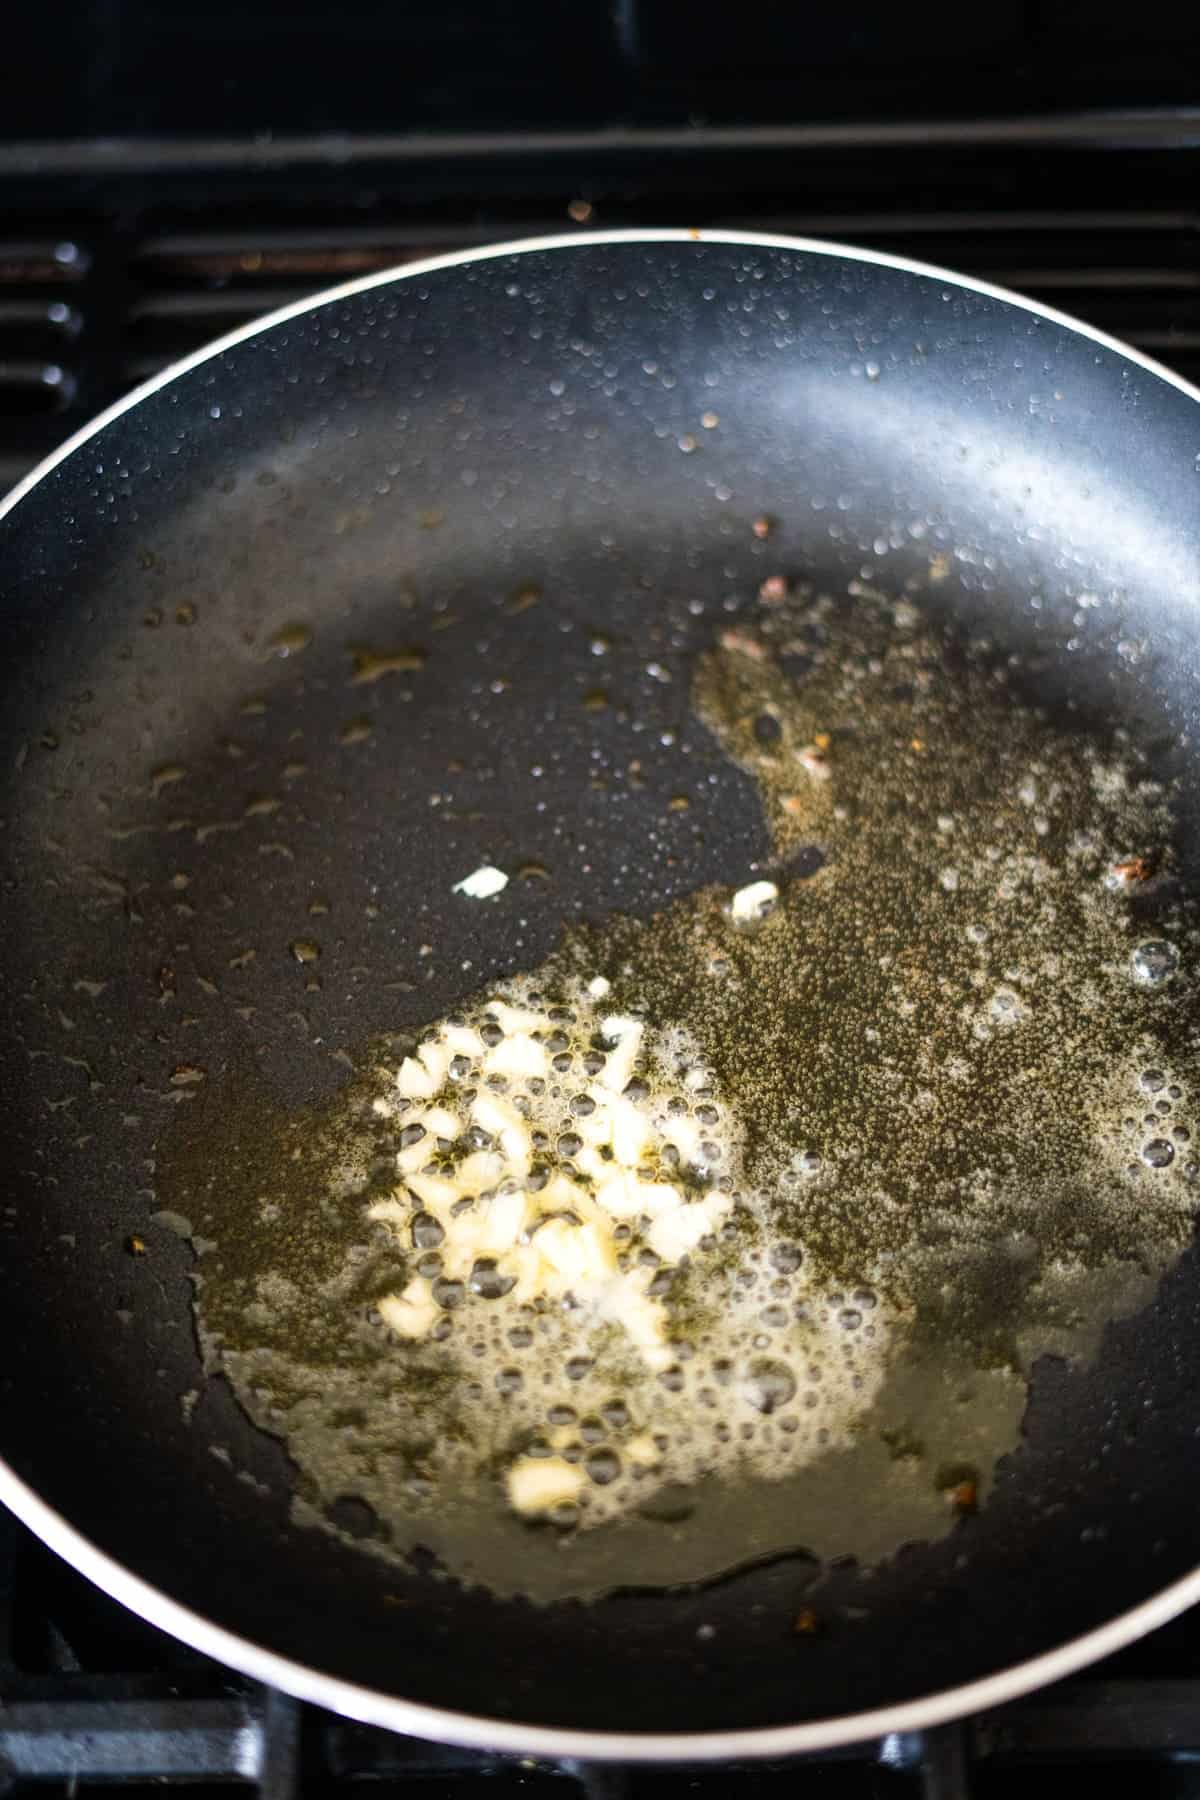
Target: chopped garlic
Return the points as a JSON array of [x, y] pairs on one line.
[[619, 1195], [631, 1131], [482, 884], [494, 1115], [580, 1254], [515, 1018], [391, 1212], [479, 1171], [675, 1234], [752, 903], [435, 1058], [434, 1191], [558, 1242], [536, 1484], [618, 1068], [439, 1122], [685, 1134], [411, 1313], [414, 1082], [414, 1156], [519, 1057], [503, 1223]]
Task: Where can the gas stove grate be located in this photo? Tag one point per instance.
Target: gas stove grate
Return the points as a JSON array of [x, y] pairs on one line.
[[75, 1728], [151, 261], [91, 1695]]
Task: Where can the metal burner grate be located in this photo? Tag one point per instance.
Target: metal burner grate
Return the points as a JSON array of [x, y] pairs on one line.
[[176, 244], [89, 1694]]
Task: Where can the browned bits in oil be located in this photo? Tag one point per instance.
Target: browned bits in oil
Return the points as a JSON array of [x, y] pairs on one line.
[[166, 776], [763, 526], [678, 803], [740, 643], [186, 1075], [135, 1246], [289, 640], [524, 598], [305, 950], [153, 618], [580, 211], [806, 1623], [533, 871], [942, 873], [185, 613], [595, 700], [372, 665], [773, 590], [964, 1496], [430, 518], [1131, 872], [356, 731]]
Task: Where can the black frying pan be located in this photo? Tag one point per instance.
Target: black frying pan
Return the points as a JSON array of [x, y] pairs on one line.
[[533, 401]]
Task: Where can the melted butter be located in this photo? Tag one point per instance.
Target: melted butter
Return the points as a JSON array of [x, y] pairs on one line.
[[954, 1056]]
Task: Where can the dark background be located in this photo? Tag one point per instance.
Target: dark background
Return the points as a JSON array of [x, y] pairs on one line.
[[127, 66]]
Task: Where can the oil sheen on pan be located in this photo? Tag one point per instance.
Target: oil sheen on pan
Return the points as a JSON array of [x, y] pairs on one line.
[[738, 1229]]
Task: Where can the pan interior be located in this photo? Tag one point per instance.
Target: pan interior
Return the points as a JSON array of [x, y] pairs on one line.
[[499, 467]]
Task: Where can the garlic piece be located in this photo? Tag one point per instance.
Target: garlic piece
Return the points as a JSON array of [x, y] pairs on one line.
[[519, 1057], [437, 1192], [582, 1255], [435, 1057], [515, 1018], [478, 1172], [752, 903], [461, 1040], [414, 1082], [536, 1484], [412, 1313], [439, 1122], [482, 883], [627, 1035], [673, 1235], [503, 1121], [503, 1223]]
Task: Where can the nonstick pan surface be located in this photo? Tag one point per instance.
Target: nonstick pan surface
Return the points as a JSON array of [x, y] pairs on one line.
[[398, 460]]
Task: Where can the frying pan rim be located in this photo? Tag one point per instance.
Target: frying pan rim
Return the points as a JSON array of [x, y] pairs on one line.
[[468, 1730]]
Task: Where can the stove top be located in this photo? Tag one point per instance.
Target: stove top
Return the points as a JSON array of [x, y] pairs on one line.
[[121, 251], [88, 1693], [117, 257]]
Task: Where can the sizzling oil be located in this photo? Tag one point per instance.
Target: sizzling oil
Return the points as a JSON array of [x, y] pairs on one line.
[[960, 1063]]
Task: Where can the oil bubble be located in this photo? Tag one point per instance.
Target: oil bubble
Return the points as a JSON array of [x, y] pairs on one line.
[[1154, 961], [768, 1385], [602, 1466]]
